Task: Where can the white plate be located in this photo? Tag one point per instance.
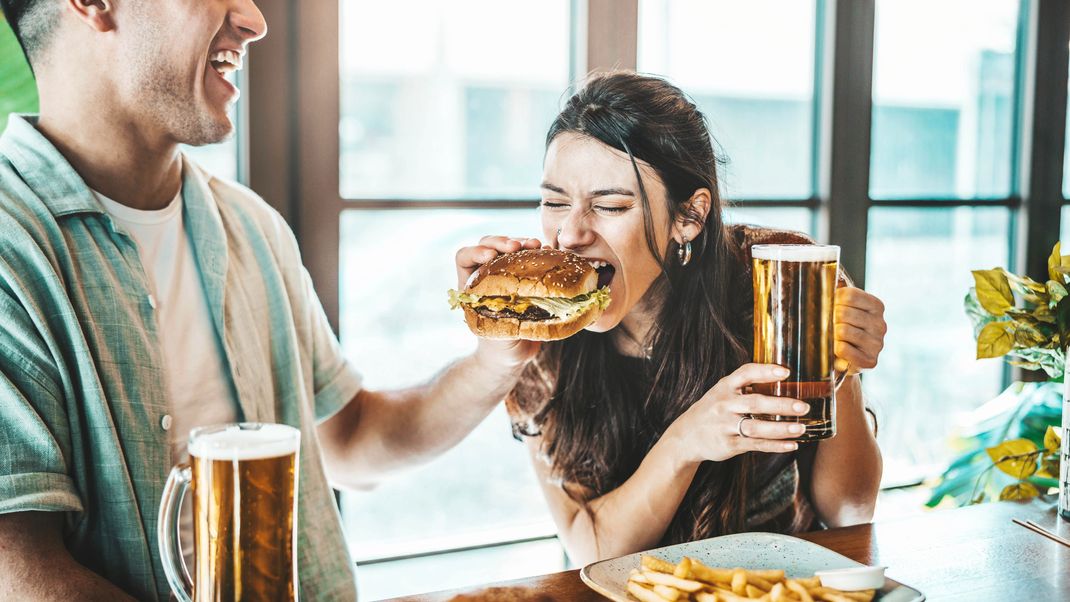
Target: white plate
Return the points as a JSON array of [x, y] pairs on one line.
[[798, 558]]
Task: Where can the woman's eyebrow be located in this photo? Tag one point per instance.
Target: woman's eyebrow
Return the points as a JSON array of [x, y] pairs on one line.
[[552, 188], [593, 194], [612, 192]]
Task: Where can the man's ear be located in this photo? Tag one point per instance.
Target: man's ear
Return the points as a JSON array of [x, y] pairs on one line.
[[97, 14], [690, 223]]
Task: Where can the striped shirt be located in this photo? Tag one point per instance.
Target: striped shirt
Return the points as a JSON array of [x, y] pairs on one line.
[[83, 390]]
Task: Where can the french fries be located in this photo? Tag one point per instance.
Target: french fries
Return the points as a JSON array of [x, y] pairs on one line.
[[691, 581]]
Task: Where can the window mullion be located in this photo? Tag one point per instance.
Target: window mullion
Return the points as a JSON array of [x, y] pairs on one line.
[[1042, 118], [612, 34], [845, 130], [318, 107]]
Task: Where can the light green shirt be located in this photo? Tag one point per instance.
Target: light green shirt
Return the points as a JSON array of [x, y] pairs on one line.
[[83, 397]]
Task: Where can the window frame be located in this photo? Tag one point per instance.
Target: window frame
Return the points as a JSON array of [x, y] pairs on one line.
[[294, 110]]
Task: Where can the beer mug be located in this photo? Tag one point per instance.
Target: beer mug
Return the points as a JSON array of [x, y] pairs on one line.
[[794, 294], [244, 480]]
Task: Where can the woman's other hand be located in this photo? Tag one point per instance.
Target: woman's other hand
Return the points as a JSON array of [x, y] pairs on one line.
[[508, 354], [860, 329], [717, 426]]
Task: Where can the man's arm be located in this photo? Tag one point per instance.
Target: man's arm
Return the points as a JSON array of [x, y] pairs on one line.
[[35, 565], [379, 432]]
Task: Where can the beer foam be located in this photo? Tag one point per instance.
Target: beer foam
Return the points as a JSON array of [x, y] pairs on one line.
[[796, 252], [238, 443]]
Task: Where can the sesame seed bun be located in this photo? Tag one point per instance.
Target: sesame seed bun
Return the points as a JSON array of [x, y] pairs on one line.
[[535, 273]]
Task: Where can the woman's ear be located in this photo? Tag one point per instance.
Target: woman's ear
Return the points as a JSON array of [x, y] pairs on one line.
[[693, 218], [97, 14]]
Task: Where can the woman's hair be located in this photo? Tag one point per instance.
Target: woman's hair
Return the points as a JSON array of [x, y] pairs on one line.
[[597, 429]]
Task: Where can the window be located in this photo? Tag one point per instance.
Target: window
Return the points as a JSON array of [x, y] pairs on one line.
[[919, 261], [486, 483], [750, 69], [450, 118], [457, 107], [943, 99], [943, 112]]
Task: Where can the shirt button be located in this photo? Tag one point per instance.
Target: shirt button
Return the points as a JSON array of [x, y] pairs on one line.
[[165, 422], [152, 301]]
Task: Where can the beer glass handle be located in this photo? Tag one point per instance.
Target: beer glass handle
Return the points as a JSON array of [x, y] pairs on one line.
[[839, 377], [167, 525]]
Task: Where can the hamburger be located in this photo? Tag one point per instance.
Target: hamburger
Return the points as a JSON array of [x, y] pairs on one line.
[[536, 295]]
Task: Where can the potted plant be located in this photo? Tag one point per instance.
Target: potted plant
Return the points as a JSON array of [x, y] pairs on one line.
[[1013, 450]]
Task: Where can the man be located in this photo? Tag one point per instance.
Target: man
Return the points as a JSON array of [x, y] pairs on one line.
[[141, 297]]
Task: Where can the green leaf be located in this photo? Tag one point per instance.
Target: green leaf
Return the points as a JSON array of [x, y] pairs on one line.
[[977, 314], [1052, 439], [1049, 469], [1050, 360], [995, 340], [1043, 483], [1043, 313], [1026, 335], [1056, 291], [993, 291], [1014, 457], [18, 91], [1019, 491], [1055, 261], [1062, 319], [1024, 284]]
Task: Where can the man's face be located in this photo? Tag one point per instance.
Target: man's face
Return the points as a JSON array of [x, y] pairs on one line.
[[173, 56]]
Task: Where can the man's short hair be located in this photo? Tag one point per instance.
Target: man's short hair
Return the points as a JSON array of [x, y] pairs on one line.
[[33, 22]]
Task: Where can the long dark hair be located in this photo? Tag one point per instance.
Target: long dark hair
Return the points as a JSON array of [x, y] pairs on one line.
[[597, 427]]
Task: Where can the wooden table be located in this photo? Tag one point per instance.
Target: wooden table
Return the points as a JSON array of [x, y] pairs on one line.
[[973, 553]]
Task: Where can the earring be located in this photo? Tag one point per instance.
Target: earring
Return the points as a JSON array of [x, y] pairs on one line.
[[684, 253]]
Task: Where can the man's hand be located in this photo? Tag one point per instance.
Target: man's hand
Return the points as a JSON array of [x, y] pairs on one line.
[[496, 354]]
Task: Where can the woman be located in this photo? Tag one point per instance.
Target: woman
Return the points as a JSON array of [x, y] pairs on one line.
[[635, 426]]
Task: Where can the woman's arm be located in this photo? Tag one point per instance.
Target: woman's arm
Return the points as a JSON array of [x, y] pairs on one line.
[[632, 517], [635, 515], [847, 468]]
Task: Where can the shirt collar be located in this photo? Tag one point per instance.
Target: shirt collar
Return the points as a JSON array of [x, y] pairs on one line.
[[45, 170]]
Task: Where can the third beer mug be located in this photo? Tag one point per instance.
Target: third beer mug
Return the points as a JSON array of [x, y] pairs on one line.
[[244, 480], [794, 292]]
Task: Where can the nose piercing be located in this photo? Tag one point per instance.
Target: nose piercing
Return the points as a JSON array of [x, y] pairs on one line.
[[559, 232]]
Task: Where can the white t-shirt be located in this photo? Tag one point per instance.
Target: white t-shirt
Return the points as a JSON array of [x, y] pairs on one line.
[[198, 385]]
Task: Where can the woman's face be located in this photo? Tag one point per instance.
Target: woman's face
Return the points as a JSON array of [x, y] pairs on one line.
[[591, 206]]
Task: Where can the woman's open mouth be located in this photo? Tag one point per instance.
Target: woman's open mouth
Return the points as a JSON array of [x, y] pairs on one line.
[[605, 270]]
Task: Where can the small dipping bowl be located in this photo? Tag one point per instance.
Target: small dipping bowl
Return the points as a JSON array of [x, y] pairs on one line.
[[853, 579]]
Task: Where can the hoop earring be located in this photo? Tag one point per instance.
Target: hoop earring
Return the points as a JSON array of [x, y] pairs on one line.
[[684, 253]]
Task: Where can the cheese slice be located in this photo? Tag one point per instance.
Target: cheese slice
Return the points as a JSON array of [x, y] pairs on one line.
[[558, 307]]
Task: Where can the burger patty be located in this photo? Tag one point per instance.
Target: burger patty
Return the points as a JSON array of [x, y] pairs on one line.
[[531, 314]]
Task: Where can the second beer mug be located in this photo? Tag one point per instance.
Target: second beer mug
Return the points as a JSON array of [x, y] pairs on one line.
[[794, 294], [244, 480]]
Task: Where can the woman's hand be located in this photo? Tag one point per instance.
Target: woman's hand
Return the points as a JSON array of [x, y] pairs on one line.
[[710, 429], [860, 329], [508, 354]]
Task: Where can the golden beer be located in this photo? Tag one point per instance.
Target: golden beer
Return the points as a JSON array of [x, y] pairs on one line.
[[244, 482], [794, 294]]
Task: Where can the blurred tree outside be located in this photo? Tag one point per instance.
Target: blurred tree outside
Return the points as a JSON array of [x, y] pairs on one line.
[[18, 92]]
